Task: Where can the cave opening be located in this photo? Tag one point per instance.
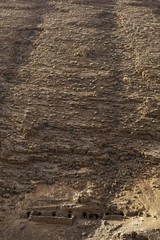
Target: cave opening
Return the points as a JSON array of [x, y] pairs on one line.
[[28, 214], [84, 215], [96, 216], [69, 214], [107, 213], [53, 214], [121, 213]]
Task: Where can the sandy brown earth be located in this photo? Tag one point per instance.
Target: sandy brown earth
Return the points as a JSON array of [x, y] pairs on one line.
[[80, 117]]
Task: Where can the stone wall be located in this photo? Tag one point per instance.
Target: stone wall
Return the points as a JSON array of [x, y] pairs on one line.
[[112, 217], [52, 220]]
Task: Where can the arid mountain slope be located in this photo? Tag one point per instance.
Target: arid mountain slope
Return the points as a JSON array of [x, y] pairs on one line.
[[80, 117]]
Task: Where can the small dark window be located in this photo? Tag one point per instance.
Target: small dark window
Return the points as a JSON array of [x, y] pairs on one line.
[[28, 214], [53, 214], [84, 215], [90, 216], [96, 216], [39, 214], [107, 213]]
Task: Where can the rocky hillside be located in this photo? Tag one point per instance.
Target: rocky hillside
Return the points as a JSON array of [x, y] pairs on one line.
[[80, 117]]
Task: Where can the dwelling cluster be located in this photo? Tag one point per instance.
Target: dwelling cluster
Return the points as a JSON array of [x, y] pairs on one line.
[[67, 214]]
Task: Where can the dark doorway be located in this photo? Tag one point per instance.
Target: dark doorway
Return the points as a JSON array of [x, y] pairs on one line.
[[28, 214], [84, 215], [96, 216], [69, 214], [121, 213], [53, 214], [39, 214]]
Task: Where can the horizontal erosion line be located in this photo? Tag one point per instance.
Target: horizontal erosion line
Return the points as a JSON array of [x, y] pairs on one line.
[[50, 104], [55, 151], [30, 8]]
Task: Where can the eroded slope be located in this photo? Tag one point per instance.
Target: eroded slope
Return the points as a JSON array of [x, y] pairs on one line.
[[80, 113]]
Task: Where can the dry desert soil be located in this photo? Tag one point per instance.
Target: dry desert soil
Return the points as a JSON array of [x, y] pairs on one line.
[[80, 120]]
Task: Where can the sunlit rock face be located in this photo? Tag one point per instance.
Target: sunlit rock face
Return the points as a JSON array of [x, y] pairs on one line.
[[79, 119]]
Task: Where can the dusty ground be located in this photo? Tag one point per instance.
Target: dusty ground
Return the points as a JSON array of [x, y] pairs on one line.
[[80, 114]]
